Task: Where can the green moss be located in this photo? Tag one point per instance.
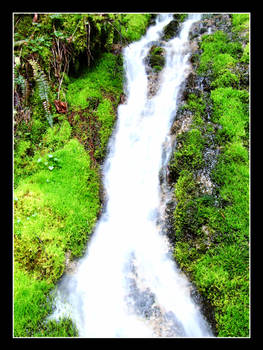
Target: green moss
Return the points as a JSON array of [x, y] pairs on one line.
[[79, 207], [185, 185], [106, 118], [195, 104], [226, 79], [37, 131], [186, 209], [134, 25], [156, 58], [57, 329], [230, 111], [218, 54], [182, 252], [34, 230], [212, 231], [189, 154], [106, 77], [246, 54], [171, 28], [55, 210], [222, 276], [30, 303], [28, 151], [232, 173], [234, 311], [32, 306], [222, 62], [57, 136], [240, 22], [94, 97], [80, 94], [22, 165]]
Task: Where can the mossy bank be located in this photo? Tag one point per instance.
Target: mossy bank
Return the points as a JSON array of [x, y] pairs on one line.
[[210, 169], [68, 81]]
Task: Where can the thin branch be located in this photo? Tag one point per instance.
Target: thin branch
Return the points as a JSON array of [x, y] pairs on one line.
[[88, 40], [118, 32]]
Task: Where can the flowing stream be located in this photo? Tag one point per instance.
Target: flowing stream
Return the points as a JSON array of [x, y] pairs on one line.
[[127, 284]]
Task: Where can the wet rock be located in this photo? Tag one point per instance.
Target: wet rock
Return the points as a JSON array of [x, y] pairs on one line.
[[156, 58], [190, 86], [182, 123], [171, 30], [154, 61], [243, 72], [206, 185], [144, 302], [153, 83], [70, 265], [214, 22], [195, 31]]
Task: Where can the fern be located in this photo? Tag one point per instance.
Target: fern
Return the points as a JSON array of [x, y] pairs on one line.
[[43, 89]]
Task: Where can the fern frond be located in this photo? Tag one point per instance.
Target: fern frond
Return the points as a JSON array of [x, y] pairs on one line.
[[43, 86], [43, 89]]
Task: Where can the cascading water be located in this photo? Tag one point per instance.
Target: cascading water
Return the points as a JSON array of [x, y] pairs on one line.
[[127, 284]]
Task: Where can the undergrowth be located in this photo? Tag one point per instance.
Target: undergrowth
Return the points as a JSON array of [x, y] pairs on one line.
[[67, 59], [212, 228]]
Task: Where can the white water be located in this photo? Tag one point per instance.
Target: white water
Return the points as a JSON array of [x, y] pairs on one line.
[[127, 285]]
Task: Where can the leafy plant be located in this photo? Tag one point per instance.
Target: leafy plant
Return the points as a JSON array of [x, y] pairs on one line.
[[43, 89]]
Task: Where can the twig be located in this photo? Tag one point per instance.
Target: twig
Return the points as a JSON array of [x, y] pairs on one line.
[[88, 40], [118, 32], [72, 36], [60, 83]]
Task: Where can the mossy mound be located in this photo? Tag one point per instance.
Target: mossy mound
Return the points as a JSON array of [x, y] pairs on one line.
[[172, 28], [55, 210], [156, 58]]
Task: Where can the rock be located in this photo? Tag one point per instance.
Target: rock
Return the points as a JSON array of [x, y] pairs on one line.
[[195, 31], [70, 265], [153, 83], [156, 58], [171, 30], [116, 49], [182, 124], [190, 86]]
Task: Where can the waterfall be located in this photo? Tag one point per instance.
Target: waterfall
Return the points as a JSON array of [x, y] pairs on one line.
[[127, 284]]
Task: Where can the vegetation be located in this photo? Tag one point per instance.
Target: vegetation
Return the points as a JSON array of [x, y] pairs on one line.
[[156, 58], [93, 98], [54, 213], [212, 228], [68, 82]]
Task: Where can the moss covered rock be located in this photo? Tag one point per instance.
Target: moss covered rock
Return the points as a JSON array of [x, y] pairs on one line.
[[156, 58]]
